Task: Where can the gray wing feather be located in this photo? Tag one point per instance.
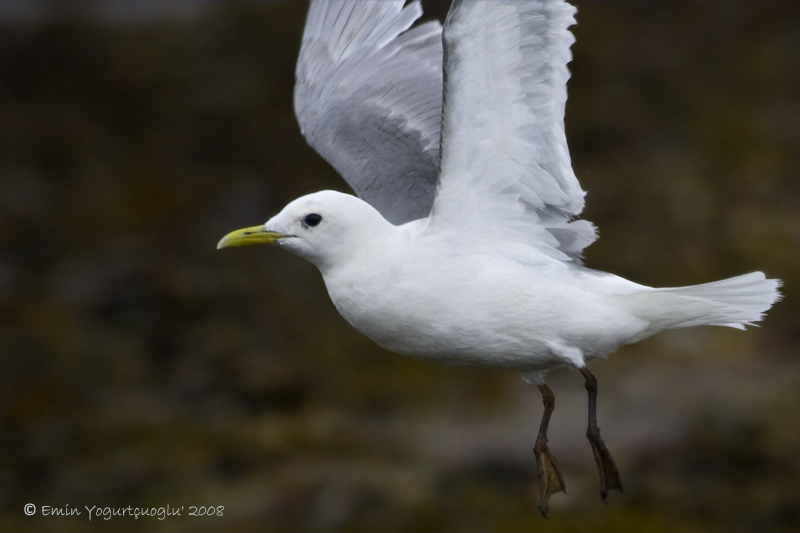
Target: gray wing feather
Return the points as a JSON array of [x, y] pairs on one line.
[[368, 99]]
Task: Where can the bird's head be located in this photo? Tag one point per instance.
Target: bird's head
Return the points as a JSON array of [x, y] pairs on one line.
[[326, 228]]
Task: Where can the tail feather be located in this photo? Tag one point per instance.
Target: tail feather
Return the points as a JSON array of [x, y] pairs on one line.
[[734, 302]]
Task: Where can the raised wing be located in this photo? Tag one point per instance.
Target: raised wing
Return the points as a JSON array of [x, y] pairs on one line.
[[369, 100], [505, 169]]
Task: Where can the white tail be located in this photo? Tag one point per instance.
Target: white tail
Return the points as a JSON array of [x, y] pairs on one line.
[[733, 302]]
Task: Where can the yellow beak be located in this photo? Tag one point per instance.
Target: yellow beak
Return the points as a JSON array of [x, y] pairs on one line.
[[247, 236]]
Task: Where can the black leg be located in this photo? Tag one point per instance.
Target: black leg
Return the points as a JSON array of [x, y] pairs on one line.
[[550, 479], [609, 475]]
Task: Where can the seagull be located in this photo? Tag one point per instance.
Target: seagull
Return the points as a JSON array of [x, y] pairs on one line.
[[463, 244]]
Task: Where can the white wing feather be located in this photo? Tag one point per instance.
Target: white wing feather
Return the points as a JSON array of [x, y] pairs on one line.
[[505, 168]]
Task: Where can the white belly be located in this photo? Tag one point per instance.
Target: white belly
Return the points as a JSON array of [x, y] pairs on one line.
[[481, 314]]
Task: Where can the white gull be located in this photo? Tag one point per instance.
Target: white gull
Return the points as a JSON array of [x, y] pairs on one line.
[[463, 245]]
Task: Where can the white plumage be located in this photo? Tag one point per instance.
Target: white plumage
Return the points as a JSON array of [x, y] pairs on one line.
[[463, 247]]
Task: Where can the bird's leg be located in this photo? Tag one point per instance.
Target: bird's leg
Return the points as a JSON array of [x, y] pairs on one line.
[[609, 475], [550, 479]]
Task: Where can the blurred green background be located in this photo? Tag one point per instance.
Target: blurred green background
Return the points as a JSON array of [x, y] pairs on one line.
[[142, 367]]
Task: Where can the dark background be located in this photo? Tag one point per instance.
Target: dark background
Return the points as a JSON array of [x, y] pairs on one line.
[[142, 367]]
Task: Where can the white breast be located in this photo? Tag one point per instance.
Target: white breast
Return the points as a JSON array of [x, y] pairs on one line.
[[474, 310]]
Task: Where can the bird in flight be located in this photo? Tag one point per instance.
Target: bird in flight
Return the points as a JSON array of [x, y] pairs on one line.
[[462, 245]]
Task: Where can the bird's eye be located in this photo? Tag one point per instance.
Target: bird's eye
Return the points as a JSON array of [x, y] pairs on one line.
[[312, 220]]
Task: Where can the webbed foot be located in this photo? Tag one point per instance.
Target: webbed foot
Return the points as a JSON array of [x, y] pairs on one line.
[[550, 478], [606, 467]]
